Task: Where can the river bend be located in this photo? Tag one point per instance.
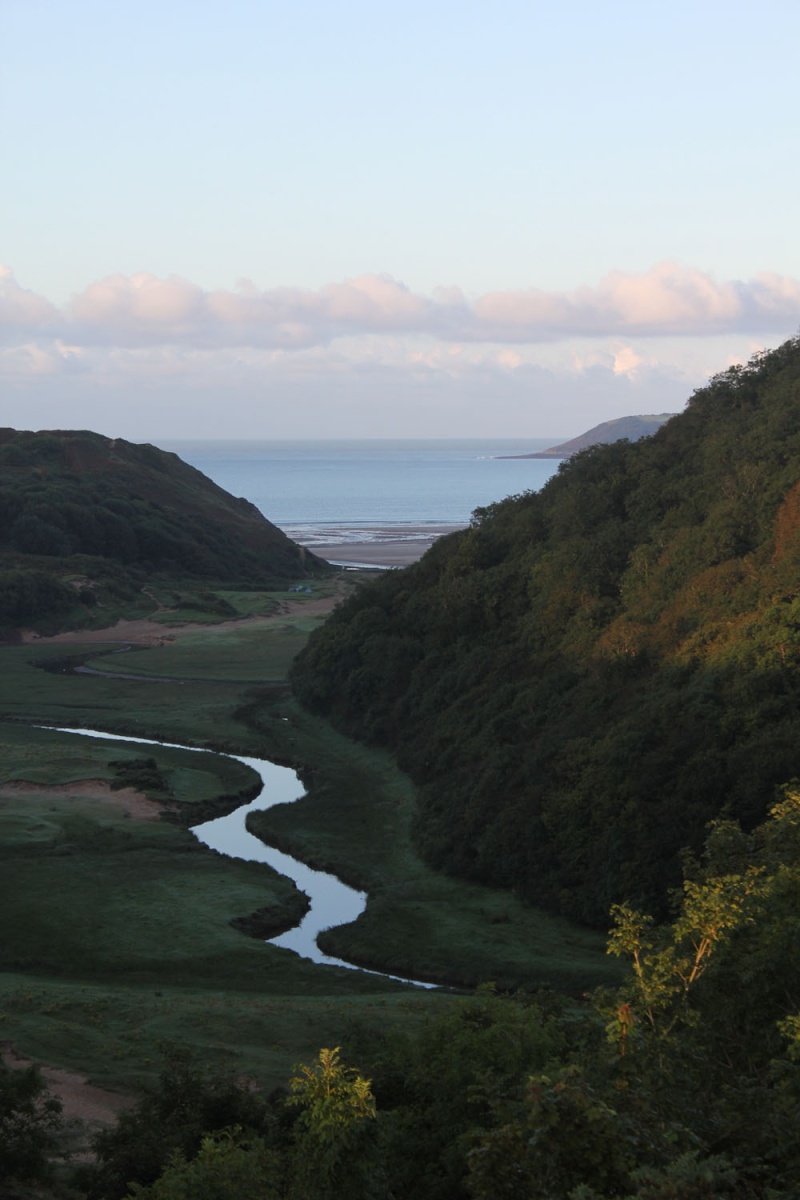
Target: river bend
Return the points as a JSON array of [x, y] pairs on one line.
[[331, 901]]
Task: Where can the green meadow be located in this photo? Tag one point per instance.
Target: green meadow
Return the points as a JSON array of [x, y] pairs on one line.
[[356, 821], [123, 934], [243, 654]]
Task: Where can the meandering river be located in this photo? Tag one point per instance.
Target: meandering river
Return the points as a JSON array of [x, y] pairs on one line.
[[331, 901]]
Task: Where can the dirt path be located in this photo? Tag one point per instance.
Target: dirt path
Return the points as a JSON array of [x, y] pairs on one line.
[[146, 632]]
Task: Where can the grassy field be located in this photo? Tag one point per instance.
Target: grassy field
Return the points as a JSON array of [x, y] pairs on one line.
[[101, 897], [192, 783], [241, 655], [356, 821], [200, 713], [117, 1033], [118, 931]]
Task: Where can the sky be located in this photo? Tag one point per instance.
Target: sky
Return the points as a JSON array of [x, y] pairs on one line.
[[384, 219]]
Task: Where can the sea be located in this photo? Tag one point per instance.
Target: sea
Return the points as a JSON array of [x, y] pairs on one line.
[[330, 492]]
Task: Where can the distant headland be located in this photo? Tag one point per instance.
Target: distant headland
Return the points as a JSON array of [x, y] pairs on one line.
[[631, 428]]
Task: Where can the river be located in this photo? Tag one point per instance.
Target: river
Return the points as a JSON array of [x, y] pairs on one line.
[[331, 901]]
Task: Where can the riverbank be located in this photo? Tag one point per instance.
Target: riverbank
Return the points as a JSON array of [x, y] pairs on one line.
[[124, 933]]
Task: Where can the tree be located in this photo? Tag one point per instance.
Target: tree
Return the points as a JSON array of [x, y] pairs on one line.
[[226, 1165], [336, 1143], [30, 1118], [668, 963], [170, 1118]]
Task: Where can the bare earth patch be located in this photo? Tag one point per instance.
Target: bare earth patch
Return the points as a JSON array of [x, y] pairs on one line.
[[135, 804], [145, 632], [82, 1101]]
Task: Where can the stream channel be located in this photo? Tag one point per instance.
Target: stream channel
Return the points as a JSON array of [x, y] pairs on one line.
[[332, 902]]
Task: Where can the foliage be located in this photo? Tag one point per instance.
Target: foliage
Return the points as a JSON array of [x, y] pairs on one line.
[[736, 919], [336, 1150], [645, 1093], [27, 595], [226, 1165], [665, 974], [460, 1072], [79, 512], [29, 1121], [331, 1096], [143, 774], [565, 1134], [588, 675], [168, 1125]]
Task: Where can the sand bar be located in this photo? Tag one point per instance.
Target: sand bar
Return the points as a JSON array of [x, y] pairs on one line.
[[379, 545]]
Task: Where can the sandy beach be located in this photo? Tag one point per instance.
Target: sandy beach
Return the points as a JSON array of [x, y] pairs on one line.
[[380, 545]]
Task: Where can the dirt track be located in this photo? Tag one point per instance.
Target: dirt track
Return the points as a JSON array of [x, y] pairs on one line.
[[146, 632]]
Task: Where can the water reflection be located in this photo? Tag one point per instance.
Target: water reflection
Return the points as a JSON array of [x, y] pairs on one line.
[[331, 901]]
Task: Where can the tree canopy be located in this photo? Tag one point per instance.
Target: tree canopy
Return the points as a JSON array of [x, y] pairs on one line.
[[76, 505], [589, 674]]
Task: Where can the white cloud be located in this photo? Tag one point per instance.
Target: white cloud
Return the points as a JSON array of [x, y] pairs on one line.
[[628, 361], [22, 311], [145, 310], [427, 389], [140, 356]]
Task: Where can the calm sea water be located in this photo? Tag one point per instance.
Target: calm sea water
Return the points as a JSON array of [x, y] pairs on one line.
[[336, 490]]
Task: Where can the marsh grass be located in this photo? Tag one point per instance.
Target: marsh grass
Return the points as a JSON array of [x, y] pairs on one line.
[[356, 820], [120, 934], [193, 783], [116, 1032], [38, 686], [258, 654], [87, 893]]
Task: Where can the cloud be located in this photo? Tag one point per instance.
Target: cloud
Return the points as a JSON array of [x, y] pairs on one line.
[[143, 356], [144, 310], [22, 311], [398, 391], [40, 358], [667, 300]]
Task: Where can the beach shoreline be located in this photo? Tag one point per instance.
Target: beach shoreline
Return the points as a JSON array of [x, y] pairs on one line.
[[378, 546]]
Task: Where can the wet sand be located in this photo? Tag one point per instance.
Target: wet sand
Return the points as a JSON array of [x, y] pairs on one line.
[[383, 546]]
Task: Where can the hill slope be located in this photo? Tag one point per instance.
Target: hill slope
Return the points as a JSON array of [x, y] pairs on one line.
[[78, 504], [631, 428], [589, 674]]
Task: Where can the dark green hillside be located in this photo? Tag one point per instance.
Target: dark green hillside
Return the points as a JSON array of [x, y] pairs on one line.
[[584, 678], [77, 508]]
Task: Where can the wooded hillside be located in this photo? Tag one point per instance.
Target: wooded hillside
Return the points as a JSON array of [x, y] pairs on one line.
[[588, 675], [75, 505]]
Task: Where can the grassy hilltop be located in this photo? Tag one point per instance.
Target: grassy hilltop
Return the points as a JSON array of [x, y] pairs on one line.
[[86, 521], [588, 675]]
